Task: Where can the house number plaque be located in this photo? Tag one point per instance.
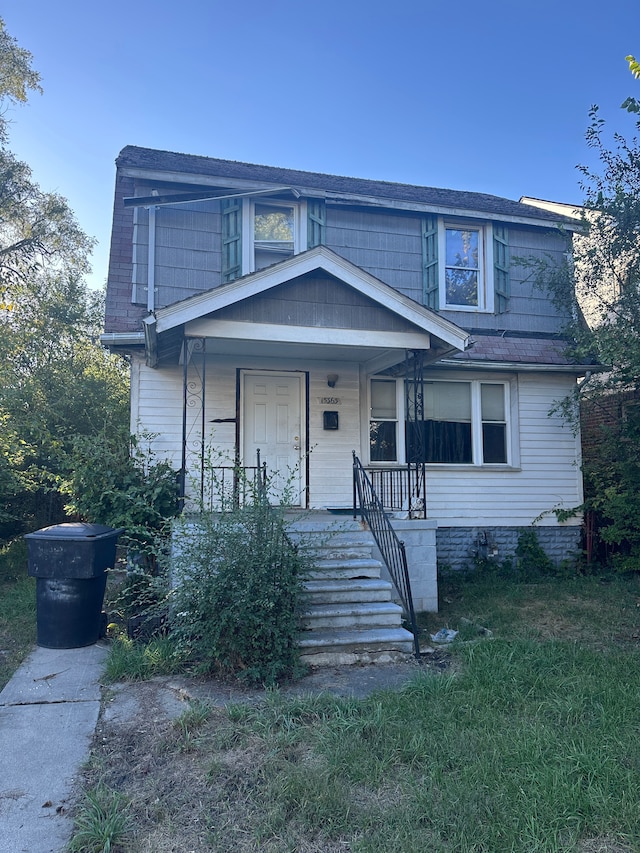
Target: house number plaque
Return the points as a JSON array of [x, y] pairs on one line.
[[329, 401]]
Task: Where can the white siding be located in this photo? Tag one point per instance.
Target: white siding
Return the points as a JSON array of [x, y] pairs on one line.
[[547, 477], [157, 402]]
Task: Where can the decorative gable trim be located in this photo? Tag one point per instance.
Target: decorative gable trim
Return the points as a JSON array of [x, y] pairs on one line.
[[319, 258]]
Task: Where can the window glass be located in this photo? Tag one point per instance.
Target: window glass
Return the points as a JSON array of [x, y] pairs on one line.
[[274, 228], [383, 399], [382, 440], [494, 427], [383, 422], [462, 266], [446, 434]]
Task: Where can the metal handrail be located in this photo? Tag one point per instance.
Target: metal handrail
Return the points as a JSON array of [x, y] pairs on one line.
[[391, 548], [400, 488]]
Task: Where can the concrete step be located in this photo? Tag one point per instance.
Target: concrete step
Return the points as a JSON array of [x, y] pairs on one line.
[[331, 590], [352, 615], [361, 567], [331, 647]]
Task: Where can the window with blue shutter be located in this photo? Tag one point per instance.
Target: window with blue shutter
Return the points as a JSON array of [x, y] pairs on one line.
[[231, 239], [501, 282], [430, 275], [316, 222]]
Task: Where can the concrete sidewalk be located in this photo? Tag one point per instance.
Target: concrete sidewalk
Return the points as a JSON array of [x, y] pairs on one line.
[[48, 714]]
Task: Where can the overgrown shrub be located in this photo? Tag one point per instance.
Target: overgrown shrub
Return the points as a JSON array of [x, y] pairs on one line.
[[119, 482], [237, 583]]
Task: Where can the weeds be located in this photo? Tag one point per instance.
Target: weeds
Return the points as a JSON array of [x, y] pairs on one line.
[[131, 660], [17, 609], [103, 823]]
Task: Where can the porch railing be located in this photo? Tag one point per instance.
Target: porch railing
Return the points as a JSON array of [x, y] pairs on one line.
[[231, 486], [400, 489], [391, 548]]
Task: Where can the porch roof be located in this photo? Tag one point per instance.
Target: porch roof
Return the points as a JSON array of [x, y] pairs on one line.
[[215, 315]]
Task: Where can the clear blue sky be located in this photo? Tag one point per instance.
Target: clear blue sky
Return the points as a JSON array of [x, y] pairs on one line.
[[490, 96]]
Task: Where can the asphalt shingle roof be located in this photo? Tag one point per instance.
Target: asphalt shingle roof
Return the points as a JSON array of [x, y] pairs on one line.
[[189, 164]]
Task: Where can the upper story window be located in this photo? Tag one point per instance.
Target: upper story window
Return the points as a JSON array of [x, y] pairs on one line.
[[259, 232], [465, 265], [274, 233], [466, 270]]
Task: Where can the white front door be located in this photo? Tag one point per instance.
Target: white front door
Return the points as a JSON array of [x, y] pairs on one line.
[[273, 424]]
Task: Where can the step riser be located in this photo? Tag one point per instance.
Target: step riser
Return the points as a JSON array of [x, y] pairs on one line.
[[356, 596], [345, 574], [312, 623], [350, 616]]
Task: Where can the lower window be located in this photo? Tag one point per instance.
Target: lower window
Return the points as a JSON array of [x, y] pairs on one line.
[[455, 423]]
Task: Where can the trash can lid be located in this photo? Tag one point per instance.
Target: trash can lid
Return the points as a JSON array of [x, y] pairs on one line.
[[75, 530]]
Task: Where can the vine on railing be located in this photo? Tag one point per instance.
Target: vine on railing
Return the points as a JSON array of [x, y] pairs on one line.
[[391, 548]]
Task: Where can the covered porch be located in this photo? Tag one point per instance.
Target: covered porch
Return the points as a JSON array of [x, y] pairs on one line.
[[275, 375]]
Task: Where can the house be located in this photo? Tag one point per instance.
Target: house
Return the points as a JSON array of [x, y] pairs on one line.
[[308, 316]]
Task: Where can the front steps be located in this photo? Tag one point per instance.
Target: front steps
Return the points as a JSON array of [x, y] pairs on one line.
[[348, 613]]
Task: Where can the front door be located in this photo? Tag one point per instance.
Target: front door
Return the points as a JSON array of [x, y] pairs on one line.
[[273, 423]]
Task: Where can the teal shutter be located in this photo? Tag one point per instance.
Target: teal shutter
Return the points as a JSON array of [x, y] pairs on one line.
[[231, 239], [316, 222], [501, 282], [430, 277]]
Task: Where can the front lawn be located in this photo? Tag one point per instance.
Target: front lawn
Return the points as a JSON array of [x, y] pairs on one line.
[[528, 740]]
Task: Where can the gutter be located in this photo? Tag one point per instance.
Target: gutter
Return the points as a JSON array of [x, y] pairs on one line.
[[122, 339], [578, 369]]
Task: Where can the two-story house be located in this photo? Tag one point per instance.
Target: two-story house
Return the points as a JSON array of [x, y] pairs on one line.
[[308, 316]]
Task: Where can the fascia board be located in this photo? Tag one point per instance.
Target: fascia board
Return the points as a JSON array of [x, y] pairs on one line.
[[518, 367], [461, 212], [326, 335], [318, 258], [338, 197]]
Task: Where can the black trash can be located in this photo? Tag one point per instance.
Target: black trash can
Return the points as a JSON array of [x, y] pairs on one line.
[[70, 562]]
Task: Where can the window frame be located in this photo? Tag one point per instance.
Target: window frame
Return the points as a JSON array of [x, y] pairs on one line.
[[477, 423], [398, 420], [248, 228], [486, 296]]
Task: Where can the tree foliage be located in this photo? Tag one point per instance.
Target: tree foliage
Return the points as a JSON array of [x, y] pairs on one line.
[[632, 105], [56, 381], [605, 306]]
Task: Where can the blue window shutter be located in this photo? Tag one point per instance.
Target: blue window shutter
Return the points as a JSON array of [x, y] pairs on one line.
[[501, 282], [231, 239], [430, 278], [316, 222]]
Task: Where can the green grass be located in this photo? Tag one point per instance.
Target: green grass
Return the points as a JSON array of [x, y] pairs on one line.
[[132, 660], [17, 609], [529, 741], [529, 747], [103, 823]]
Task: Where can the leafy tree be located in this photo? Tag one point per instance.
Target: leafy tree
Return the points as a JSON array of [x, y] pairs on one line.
[[56, 381], [632, 105], [600, 289]]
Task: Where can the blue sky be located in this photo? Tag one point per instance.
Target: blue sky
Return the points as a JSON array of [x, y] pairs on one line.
[[492, 96]]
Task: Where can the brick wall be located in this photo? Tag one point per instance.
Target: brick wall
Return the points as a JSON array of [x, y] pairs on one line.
[[458, 546]]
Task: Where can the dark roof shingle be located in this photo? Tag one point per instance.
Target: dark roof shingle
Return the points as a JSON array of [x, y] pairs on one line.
[[189, 164]]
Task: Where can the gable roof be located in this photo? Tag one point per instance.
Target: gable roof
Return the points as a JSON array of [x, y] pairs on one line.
[[430, 331], [167, 165], [319, 258]]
